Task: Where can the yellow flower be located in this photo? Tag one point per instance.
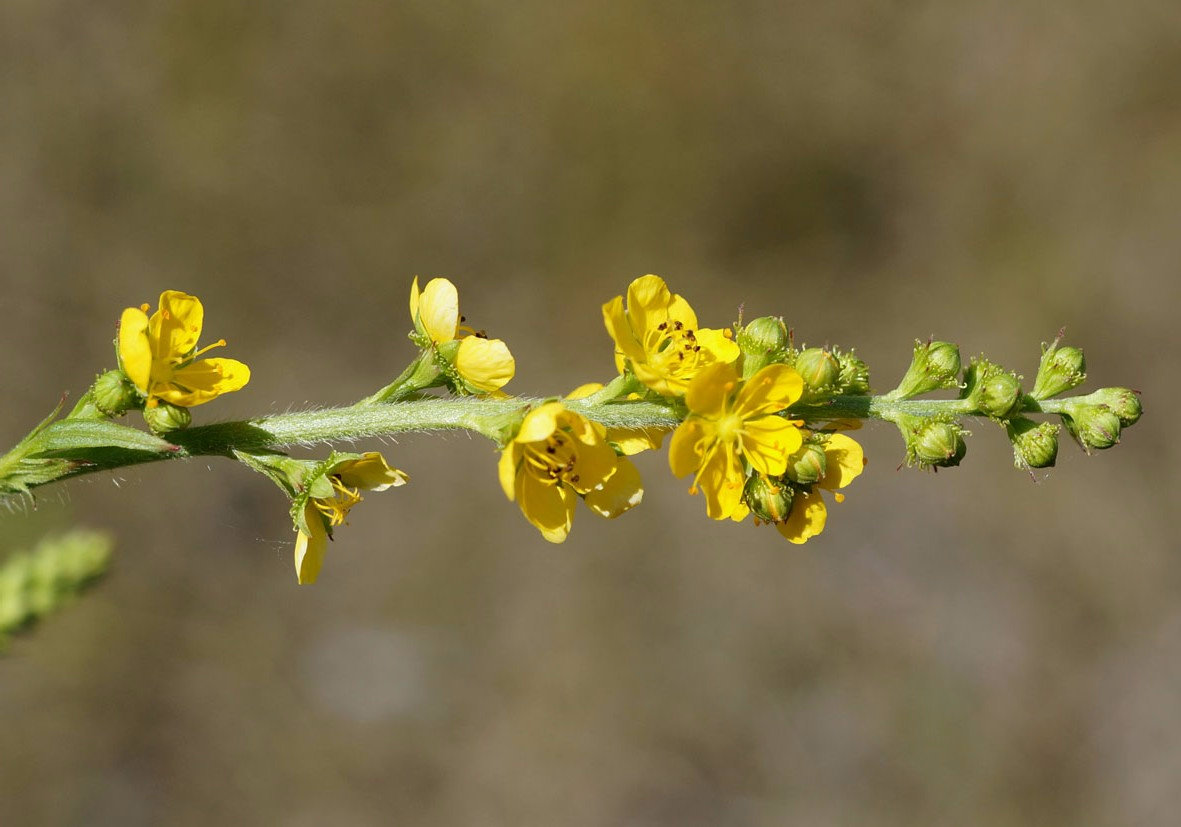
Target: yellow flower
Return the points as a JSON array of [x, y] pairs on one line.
[[844, 461], [558, 456], [731, 422], [332, 493], [159, 354], [657, 334], [485, 364]]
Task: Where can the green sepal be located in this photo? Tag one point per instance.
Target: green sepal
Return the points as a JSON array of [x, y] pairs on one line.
[[287, 473], [316, 485]]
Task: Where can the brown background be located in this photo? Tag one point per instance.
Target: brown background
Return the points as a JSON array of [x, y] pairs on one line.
[[968, 648]]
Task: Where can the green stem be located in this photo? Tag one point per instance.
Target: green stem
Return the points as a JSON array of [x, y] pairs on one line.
[[881, 407], [484, 416]]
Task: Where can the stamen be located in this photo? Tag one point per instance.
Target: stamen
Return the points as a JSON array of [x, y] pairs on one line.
[[218, 343]]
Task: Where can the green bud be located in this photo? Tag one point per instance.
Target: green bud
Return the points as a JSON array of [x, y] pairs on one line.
[[940, 444], [935, 365], [807, 464], [1094, 426], [768, 499], [854, 375], [820, 371], [1122, 402], [114, 394], [1035, 445], [1061, 369], [762, 336], [762, 342], [995, 391], [164, 417]]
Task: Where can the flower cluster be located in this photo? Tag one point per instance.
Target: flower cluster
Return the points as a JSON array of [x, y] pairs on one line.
[[736, 438], [726, 398]]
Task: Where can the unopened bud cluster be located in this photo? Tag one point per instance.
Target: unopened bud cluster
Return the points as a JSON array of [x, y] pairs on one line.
[[987, 389]]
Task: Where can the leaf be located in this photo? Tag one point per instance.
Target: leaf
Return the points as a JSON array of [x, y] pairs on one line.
[[70, 435]]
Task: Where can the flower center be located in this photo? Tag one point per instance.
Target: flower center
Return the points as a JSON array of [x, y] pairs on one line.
[[553, 462], [336, 508], [672, 348], [729, 427]]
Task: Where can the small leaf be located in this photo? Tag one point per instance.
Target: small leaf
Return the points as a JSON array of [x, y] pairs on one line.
[[70, 435]]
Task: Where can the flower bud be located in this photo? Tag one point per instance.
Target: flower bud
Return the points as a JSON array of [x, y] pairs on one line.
[[935, 365], [114, 394], [762, 336], [768, 499], [1035, 445], [807, 464], [1122, 402], [854, 375], [762, 342], [820, 371], [940, 444], [1094, 426], [1061, 369], [164, 417], [995, 391]]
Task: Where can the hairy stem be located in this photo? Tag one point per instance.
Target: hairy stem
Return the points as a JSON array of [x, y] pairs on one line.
[[483, 416]]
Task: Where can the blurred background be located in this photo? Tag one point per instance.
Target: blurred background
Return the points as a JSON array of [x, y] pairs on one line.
[[974, 648]]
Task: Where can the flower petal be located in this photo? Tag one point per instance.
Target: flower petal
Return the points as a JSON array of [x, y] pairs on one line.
[[719, 343], [769, 391], [506, 469], [371, 473], [583, 391], [624, 490], [631, 441], [594, 464], [845, 461], [687, 448], [648, 299], [174, 330], [626, 343], [711, 388], [807, 518], [309, 549], [550, 508], [135, 350], [680, 311], [721, 480], [740, 513], [202, 381], [438, 310], [486, 364], [767, 442], [539, 423]]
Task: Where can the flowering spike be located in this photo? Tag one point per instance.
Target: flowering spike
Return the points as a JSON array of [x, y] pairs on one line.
[[757, 425]]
